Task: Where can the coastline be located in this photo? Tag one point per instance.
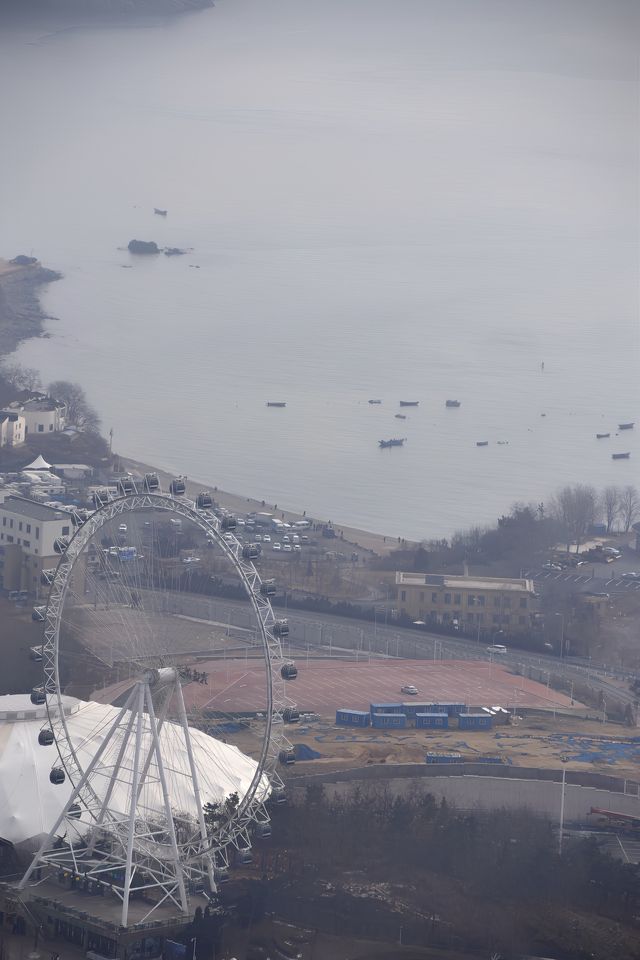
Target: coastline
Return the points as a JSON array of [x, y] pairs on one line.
[[22, 318], [363, 539], [21, 314]]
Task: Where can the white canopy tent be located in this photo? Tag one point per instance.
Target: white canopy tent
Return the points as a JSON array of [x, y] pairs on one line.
[[38, 464], [30, 803]]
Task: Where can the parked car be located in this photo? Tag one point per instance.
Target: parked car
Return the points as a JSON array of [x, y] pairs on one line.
[[286, 547], [631, 575], [266, 538], [551, 565], [276, 545], [496, 648], [410, 689]]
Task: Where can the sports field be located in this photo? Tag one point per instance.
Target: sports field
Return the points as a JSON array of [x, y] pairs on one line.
[[322, 686]]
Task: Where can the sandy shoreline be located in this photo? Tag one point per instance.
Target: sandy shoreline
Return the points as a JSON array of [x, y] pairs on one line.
[[363, 539]]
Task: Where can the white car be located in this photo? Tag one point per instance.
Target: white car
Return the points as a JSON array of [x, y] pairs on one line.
[[496, 648], [297, 548], [410, 689], [191, 559], [286, 547], [631, 575], [122, 528], [266, 538], [276, 546]]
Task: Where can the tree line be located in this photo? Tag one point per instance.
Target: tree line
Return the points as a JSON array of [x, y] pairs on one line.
[[507, 858], [80, 413]]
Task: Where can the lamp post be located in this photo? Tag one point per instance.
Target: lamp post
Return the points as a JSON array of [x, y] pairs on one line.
[[561, 615], [564, 772]]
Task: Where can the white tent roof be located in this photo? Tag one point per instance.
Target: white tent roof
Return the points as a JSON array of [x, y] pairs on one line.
[[38, 464], [30, 803]]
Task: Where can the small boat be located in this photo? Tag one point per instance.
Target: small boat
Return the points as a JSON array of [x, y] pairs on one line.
[[602, 436], [452, 403], [400, 416], [276, 403], [409, 403], [625, 426], [160, 213], [375, 401], [620, 456], [482, 443], [391, 443]]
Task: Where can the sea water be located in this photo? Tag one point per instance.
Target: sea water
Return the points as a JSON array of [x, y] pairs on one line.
[[419, 200]]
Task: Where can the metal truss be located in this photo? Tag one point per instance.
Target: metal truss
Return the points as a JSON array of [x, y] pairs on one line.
[[133, 850]]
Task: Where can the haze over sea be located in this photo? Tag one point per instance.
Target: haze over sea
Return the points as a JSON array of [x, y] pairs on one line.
[[416, 200]]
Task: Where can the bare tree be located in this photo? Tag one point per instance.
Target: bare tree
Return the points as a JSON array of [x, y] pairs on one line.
[[21, 378], [576, 508], [610, 506], [629, 506], [79, 411]]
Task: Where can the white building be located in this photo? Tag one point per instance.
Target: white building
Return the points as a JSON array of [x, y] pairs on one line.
[[27, 534], [42, 414], [12, 428]]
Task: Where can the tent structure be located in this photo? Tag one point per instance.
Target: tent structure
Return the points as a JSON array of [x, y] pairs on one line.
[[30, 803], [38, 464]]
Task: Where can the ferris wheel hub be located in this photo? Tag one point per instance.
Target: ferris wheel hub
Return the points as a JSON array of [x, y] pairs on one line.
[[160, 676]]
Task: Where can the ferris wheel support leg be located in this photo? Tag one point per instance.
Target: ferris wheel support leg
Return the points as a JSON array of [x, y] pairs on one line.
[[132, 805], [167, 802], [112, 780], [160, 718], [76, 793], [194, 776]]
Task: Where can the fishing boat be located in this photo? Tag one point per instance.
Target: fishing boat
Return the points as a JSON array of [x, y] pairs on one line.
[[620, 456], [375, 401], [391, 443], [409, 403], [482, 443], [602, 436], [276, 403], [160, 213], [452, 403], [400, 416], [625, 426]]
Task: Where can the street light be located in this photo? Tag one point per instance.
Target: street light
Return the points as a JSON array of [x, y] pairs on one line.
[[564, 772], [561, 615]]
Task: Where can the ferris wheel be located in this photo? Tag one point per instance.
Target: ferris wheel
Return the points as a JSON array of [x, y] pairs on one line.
[[158, 618]]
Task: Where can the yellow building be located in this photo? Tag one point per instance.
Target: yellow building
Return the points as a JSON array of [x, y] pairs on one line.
[[487, 603]]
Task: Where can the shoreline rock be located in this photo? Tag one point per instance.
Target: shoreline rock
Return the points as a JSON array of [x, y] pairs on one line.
[[21, 315]]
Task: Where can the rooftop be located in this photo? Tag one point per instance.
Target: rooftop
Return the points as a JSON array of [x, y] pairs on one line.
[[29, 508], [470, 583]]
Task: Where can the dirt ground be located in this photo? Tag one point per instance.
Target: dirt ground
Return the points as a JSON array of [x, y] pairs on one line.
[[586, 745]]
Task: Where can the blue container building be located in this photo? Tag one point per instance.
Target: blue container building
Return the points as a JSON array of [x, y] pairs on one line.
[[475, 721], [386, 708], [426, 721], [389, 721], [352, 718], [443, 758]]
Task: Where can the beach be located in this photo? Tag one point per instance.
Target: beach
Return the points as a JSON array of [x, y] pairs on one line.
[[374, 543]]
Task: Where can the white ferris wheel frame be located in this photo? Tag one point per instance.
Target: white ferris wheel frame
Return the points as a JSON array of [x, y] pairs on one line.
[[235, 831]]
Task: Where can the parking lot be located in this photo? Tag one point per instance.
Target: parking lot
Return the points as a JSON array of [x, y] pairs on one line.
[[591, 578]]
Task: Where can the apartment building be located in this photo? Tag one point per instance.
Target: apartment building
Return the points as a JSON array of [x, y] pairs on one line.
[[27, 534], [485, 603]]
